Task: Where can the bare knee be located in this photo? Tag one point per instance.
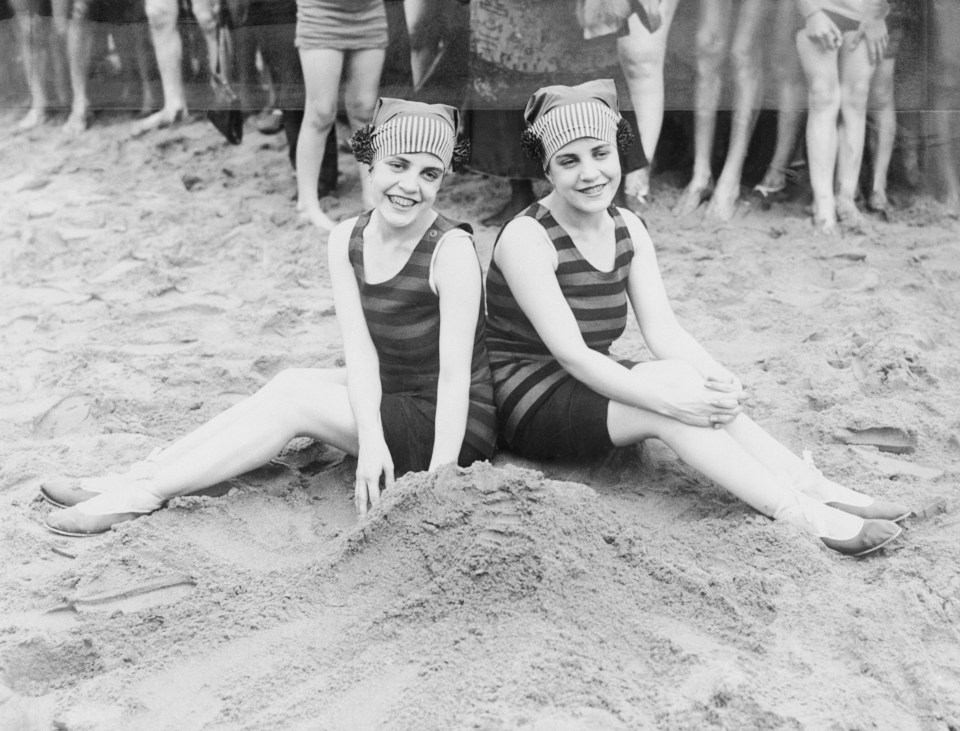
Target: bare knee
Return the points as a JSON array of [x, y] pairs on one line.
[[360, 107], [855, 95], [203, 12], [711, 46], [162, 14], [320, 115], [745, 57], [286, 388], [643, 62], [823, 96]]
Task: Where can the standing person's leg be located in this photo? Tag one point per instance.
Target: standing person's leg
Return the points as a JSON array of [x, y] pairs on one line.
[[79, 52], [884, 113], [33, 31], [275, 26], [856, 72], [206, 13], [298, 402], [944, 29], [162, 17], [642, 56], [425, 27], [322, 68], [362, 88], [746, 60], [713, 37], [823, 99], [788, 76]]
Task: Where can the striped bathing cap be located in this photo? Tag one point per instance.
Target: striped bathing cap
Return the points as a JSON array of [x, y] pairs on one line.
[[558, 115], [401, 126]]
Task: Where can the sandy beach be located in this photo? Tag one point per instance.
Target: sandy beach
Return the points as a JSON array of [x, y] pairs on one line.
[[147, 283]]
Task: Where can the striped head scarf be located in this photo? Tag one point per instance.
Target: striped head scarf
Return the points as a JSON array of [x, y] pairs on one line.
[[558, 115], [401, 126]]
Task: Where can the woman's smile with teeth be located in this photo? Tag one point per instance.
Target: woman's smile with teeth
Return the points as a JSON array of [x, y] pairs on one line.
[[593, 189], [402, 202]]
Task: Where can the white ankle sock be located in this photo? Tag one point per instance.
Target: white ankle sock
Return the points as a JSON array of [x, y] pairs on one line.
[[819, 519]]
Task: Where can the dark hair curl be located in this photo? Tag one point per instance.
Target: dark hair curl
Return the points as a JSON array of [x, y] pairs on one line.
[[532, 146], [362, 144], [625, 136], [461, 154]]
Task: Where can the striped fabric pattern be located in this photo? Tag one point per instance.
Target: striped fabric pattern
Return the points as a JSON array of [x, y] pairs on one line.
[[403, 317], [525, 372], [414, 133], [570, 122]]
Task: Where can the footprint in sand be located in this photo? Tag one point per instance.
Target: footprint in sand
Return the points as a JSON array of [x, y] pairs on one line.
[[68, 415], [131, 596]]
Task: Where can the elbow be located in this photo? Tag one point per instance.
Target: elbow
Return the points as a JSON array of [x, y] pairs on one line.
[[574, 362]]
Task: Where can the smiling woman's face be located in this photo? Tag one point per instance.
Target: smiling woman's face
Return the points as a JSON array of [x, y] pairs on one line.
[[405, 186], [585, 174]]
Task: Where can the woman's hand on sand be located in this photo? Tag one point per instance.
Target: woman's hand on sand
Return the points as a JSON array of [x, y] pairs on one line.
[[874, 34], [373, 461], [823, 32]]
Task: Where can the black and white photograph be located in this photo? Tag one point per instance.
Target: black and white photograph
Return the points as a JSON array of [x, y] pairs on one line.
[[495, 365]]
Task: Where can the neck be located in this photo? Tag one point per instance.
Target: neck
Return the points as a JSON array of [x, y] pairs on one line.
[[391, 235], [573, 218]]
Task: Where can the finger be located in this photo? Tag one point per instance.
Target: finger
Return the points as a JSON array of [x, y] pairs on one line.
[[373, 490], [720, 386], [360, 496], [726, 403], [388, 476]]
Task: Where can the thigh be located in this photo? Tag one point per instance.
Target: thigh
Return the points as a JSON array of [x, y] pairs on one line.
[[639, 43], [855, 68], [321, 77], [751, 22], [320, 404], [818, 65], [363, 75], [571, 423]]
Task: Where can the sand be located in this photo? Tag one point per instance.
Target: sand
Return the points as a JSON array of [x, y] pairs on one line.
[[150, 282]]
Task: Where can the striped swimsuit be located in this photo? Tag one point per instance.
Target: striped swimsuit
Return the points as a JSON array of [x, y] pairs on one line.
[[403, 317], [525, 372]]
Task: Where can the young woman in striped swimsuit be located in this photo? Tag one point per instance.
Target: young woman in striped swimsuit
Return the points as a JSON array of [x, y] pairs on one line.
[[558, 286], [416, 391]]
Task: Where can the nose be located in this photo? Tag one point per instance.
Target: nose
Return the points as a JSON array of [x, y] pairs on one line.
[[588, 170], [408, 181]]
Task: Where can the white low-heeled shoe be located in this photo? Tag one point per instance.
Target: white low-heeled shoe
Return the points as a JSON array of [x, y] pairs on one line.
[[101, 513], [64, 492]]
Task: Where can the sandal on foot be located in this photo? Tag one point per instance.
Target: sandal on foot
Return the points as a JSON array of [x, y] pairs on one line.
[[766, 191]]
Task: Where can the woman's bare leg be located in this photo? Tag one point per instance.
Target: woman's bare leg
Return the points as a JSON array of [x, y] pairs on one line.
[[713, 37], [642, 56], [823, 99], [788, 76], [856, 72], [33, 34], [885, 117], [321, 74], [425, 27], [362, 88], [297, 402], [746, 60]]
